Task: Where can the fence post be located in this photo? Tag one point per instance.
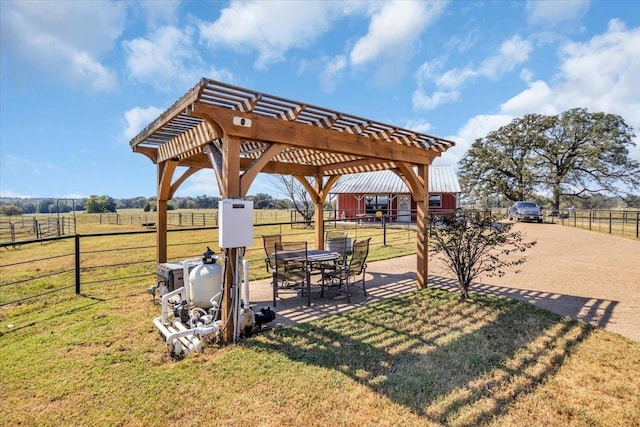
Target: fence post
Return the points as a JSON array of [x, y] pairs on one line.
[[384, 231], [637, 223], [77, 254], [609, 222]]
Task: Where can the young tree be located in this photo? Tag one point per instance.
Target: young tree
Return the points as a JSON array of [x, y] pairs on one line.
[[470, 248], [298, 195]]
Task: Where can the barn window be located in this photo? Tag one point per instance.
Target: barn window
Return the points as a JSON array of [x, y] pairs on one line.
[[374, 203], [435, 200]]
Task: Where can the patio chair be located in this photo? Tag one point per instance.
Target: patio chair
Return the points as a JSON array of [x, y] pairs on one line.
[[269, 242], [291, 267], [344, 275], [338, 241]]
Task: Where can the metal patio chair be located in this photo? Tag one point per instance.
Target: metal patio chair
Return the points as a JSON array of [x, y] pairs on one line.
[[344, 275]]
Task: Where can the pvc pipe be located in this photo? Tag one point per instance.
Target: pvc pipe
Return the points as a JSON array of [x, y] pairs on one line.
[[165, 301], [245, 283], [192, 338], [178, 348]]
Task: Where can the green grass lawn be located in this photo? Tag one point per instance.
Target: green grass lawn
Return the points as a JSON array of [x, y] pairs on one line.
[[425, 358]]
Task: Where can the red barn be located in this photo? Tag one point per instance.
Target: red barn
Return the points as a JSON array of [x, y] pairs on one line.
[[372, 194]]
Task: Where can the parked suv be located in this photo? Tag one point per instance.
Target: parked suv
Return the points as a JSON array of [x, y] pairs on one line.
[[525, 211]]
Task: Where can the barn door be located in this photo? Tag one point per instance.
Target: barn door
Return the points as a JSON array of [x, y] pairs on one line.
[[404, 208]]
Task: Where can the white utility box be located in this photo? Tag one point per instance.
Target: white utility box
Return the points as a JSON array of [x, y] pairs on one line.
[[235, 229]]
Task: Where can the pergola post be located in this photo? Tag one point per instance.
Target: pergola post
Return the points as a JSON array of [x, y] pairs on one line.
[[422, 267], [165, 173], [230, 181]]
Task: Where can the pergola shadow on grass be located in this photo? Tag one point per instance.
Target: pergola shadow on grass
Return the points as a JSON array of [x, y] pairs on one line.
[[445, 360], [596, 311]]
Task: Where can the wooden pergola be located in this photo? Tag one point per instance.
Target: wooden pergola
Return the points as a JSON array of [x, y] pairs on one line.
[[239, 133]]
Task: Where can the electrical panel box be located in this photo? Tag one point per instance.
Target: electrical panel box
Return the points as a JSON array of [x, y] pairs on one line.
[[236, 223]]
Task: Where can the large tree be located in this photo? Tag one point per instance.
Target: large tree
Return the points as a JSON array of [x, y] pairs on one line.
[[585, 154], [575, 154], [502, 162]]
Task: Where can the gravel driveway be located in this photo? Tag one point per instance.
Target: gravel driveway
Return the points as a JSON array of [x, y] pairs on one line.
[[586, 275], [582, 274]]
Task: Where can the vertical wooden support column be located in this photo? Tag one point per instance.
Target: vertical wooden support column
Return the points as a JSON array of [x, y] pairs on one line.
[[319, 213], [165, 173], [423, 241], [231, 189]]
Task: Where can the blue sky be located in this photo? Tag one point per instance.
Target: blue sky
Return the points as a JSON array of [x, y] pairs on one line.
[[79, 79]]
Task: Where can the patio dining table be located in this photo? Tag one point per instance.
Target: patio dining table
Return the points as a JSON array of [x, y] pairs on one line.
[[313, 256]]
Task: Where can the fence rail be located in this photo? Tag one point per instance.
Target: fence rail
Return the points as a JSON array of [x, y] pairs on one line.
[[85, 261], [624, 223]]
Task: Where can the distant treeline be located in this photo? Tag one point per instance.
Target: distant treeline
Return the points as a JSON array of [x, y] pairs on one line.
[[97, 204]]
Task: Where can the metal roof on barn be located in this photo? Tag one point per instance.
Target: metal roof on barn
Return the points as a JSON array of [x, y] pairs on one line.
[[442, 179]]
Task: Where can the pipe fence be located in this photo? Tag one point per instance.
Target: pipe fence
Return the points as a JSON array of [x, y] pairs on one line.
[[97, 261]]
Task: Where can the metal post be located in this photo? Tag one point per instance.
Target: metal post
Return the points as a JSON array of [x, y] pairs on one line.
[[77, 254], [384, 231], [609, 222]]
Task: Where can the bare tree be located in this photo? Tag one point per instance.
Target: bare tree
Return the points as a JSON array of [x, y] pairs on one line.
[[470, 248], [297, 193]]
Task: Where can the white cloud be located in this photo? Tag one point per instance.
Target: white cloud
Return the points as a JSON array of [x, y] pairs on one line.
[[423, 101], [600, 75], [513, 52], [64, 39], [476, 127], [270, 27], [166, 57], [13, 194], [27, 166], [137, 118], [202, 182], [332, 72], [159, 12], [551, 14], [387, 38], [421, 126], [535, 99]]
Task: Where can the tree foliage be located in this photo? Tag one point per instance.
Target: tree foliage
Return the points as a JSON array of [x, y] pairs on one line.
[[502, 162], [474, 247], [574, 154], [100, 204]]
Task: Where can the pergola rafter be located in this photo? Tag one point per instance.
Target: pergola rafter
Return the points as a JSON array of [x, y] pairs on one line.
[[239, 133]]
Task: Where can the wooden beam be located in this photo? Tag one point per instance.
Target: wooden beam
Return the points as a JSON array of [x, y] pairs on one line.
[[215, 161], [256, 166], [165, 173], [178, 182], [319, 212], [176, 109], [268, 129], [230, 189], [412, 180], [356, 166], [188, 143], [422, 267], [150, 152]]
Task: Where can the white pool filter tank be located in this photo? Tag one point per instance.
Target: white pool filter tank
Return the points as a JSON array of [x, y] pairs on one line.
[[205, 281]]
